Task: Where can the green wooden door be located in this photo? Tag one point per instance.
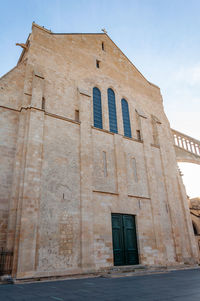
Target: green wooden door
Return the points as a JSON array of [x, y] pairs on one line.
[[130, 239], [124, 239], [118, 242]]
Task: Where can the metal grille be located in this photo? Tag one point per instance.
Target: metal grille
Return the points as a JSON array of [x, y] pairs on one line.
[[6, 260]]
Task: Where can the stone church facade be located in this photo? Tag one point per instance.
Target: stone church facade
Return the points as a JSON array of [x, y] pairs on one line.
[[88, 173]]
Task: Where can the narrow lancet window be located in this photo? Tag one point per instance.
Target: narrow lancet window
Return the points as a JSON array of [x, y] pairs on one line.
[[138, 133], [43, 103], [112, 111], [134, 166], [76, 115], [126, 118], [105, 164], [97, 109]]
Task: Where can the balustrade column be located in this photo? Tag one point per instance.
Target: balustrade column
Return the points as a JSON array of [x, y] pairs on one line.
[[184, 142], [194, 147], [175, 140], [187, 142]]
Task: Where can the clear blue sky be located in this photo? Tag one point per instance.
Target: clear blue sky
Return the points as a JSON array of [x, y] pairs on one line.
[[161, 37]]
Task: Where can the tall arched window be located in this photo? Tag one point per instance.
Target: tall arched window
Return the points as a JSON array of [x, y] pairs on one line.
[[97, 110], [126, 118], [112, 111]]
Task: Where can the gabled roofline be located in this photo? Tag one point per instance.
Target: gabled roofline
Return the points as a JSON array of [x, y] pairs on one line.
[[4, 75], [79, 33], [65, 33], [132, 63], [41, 27], [101, 33]]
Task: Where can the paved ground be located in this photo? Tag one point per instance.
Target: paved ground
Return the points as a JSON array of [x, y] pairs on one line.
[[176, 285]]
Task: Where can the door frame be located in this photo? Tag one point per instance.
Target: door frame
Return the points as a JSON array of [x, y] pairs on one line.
[[137, 236]]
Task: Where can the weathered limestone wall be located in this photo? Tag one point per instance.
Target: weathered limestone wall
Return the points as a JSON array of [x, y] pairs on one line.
[[12, 86], [177, 201], [104, 177], [8, 136], [68, 177], [11, 91], [59, 217]]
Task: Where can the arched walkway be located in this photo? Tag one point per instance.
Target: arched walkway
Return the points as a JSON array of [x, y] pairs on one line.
[[187, 148]]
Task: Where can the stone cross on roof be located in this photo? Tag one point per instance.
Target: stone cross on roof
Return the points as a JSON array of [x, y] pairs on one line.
[[104, 30]]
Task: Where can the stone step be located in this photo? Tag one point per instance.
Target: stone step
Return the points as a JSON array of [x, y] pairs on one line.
[[127, 268], [133, 270]]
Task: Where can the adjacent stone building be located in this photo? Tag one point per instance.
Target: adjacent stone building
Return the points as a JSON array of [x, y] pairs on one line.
[[88, 172], [194, 205]]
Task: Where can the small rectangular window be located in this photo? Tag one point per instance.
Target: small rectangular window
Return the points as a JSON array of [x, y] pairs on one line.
[[138, 135], [97, 64], [76, 115], [105, 164], [102, 46], [43, 103]]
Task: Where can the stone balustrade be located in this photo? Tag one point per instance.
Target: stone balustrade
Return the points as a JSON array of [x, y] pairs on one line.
[[186, 142]]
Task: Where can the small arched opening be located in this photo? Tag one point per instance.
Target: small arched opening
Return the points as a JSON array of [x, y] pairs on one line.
[[195, 228]]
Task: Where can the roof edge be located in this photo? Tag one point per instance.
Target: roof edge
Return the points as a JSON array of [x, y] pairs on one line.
[[78, 33], [101, 33], [133, 65], [65, 33], [15, 67], [41, 27]]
